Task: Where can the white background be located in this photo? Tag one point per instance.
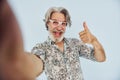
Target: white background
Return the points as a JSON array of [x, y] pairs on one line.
[[102, 17]]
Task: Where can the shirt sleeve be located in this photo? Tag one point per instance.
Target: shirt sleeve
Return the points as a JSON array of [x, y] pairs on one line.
[[39, 51], [85, 50]]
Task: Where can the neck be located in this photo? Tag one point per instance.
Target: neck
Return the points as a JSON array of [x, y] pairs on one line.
[[60, 45]]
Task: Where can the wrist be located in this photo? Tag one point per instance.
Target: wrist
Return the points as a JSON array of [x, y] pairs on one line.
[[94, 40]]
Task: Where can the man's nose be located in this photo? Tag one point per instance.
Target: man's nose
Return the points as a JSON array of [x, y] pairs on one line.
[[59, 27]]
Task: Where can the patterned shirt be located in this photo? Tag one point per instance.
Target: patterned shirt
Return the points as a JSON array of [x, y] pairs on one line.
[[63, 65]]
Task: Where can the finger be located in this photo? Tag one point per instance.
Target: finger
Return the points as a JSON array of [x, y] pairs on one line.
[[83, 36], [85, 26], [82, 33], [85, 40]]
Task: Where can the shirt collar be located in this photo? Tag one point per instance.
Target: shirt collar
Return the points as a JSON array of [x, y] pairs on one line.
[[53, 43]]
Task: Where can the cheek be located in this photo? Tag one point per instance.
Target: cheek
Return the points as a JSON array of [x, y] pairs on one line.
[[64, 28], [50, 27]]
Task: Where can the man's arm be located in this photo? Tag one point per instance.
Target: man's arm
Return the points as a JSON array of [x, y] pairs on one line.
[[15, 64], [99, 51], [87, 37]]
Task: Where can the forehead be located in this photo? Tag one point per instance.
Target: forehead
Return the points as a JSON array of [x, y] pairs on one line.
[[58, 16]]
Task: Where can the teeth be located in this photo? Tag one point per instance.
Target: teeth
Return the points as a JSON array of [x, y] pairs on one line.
[[57, 33]]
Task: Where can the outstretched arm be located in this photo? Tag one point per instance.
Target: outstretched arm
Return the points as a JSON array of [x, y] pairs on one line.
[[87, 37], [15, 64]]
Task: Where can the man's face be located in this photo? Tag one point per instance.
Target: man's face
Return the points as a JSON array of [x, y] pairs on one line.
[[57, 26]]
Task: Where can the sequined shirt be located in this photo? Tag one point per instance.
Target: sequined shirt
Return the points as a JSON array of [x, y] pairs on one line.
[[63, 65]]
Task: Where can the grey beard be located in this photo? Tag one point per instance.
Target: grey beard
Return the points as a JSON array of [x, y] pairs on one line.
[[56, 40]]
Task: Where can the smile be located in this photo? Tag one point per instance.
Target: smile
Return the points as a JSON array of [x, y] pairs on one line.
[[57, 34]]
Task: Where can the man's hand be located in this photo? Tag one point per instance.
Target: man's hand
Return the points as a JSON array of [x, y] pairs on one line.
[[86, 35], [15, 64]]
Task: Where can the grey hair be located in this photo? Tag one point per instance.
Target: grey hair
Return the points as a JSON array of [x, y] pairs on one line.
[[57, 9]]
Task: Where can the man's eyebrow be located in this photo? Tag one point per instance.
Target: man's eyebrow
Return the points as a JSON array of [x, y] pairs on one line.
[[58, 20]]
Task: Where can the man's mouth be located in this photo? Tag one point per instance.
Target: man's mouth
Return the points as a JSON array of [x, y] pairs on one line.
[[57, 33]]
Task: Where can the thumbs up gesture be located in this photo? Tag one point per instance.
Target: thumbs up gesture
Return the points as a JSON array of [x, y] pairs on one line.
[[86, 35]]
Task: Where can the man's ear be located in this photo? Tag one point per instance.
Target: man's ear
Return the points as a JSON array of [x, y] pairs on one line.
[[47, 25]]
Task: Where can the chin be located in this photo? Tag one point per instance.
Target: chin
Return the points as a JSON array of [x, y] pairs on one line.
[[59, 39], [56, 40]]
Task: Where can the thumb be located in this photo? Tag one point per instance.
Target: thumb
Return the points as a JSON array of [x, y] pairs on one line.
[[11, 42], [85, 26]]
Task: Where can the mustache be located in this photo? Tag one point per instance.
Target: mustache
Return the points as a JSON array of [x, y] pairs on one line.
[[58, 31]]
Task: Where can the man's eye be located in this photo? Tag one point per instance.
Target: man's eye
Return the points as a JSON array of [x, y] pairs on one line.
[[55, 22], [64, 24]]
